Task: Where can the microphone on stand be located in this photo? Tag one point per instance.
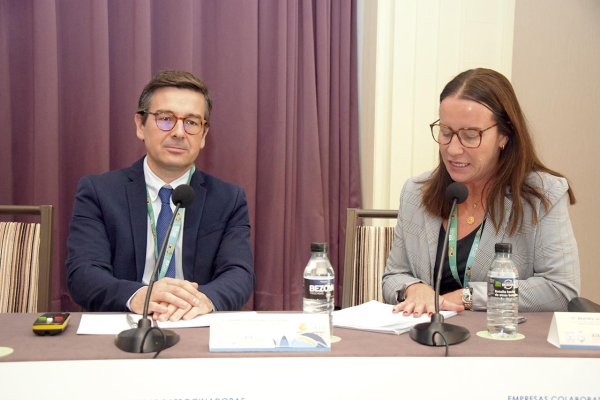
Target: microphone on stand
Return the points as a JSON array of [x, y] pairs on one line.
[[581, 304], [145, 338], [425, 333]]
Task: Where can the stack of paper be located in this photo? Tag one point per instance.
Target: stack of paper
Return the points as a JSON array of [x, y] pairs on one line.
[[377, 317]]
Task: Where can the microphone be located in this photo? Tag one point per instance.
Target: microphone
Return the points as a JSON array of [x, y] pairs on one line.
[[145, 338], [581, 304], [425, 333]]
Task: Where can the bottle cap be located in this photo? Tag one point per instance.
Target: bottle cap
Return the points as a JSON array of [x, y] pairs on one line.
[[316, 247], [503, 248]]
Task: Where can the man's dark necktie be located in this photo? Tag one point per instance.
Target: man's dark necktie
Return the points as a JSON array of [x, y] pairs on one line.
[[163, 223]]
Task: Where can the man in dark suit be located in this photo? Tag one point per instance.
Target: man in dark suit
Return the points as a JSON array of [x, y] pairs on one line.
[[113, 241]]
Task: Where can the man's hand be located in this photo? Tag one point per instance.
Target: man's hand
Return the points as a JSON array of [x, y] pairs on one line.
[[176, 313], [167, 291], [420, 298]]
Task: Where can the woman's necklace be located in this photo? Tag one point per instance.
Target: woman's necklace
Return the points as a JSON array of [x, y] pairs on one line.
[[471, 218]]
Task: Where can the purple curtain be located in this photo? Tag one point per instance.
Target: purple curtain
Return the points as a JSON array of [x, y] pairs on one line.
[[284, 126]]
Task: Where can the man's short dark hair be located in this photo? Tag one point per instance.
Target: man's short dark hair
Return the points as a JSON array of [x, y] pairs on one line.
[[177, 79]]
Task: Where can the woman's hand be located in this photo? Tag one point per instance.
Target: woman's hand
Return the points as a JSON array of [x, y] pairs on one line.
[[420, 298]]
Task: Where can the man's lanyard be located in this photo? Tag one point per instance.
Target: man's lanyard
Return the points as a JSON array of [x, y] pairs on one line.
[[452, 247], [174, 232]]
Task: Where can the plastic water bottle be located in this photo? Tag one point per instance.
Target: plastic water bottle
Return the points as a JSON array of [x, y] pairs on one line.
[[319, 283], [503, 294]]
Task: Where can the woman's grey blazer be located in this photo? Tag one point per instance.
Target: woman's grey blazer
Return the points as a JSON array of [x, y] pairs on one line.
[[545, 254]]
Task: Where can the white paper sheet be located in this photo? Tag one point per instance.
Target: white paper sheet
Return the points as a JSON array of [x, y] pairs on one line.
[[201, 320], [112, 324], [103, 324], [377, 317]]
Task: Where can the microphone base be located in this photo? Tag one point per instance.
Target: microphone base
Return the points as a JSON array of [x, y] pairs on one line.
[[581, 304], [146, 340], [426, 333]]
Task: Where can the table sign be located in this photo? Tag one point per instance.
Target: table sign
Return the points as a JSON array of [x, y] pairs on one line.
[[270, 332], [575, 330]]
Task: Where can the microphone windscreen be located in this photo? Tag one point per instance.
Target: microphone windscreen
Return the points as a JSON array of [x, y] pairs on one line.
[[183, 195], [580, 304], [458, 191]]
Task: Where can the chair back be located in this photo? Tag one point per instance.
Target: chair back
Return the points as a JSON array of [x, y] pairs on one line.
[[366, 252], [25, 260]]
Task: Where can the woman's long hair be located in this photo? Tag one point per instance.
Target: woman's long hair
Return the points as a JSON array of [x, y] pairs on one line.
[[517, 160]]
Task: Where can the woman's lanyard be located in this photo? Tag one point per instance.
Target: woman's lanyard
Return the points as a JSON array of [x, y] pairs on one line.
[[452, 250], [173, 237]]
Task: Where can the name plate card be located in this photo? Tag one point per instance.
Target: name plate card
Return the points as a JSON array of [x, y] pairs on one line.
[[270, 332], [575, 330]]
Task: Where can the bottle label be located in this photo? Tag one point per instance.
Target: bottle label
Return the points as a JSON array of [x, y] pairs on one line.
[[318, 289], [502, 287]]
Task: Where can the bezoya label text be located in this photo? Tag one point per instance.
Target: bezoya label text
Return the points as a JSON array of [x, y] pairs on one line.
[[318, 289]]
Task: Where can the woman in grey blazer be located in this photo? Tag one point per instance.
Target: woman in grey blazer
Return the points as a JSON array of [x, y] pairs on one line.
[[484, 143]]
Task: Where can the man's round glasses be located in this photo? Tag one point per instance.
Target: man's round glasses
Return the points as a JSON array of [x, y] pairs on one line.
[[468, 137], [166, 121]]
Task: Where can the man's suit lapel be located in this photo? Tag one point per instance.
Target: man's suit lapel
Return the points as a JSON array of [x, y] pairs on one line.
[[138, 214], [191, 225]]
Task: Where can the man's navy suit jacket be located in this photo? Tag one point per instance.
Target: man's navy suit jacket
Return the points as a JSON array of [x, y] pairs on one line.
[[108, 233]]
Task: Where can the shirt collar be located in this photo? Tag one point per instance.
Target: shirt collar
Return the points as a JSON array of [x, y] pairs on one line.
[[154, 183]]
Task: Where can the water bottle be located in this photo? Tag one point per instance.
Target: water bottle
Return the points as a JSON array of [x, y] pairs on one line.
[[503, 294], [319, 283]]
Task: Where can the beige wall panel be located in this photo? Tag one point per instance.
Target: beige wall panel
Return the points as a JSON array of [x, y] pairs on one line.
[[408, 51], [556, 74], [367, 40]]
